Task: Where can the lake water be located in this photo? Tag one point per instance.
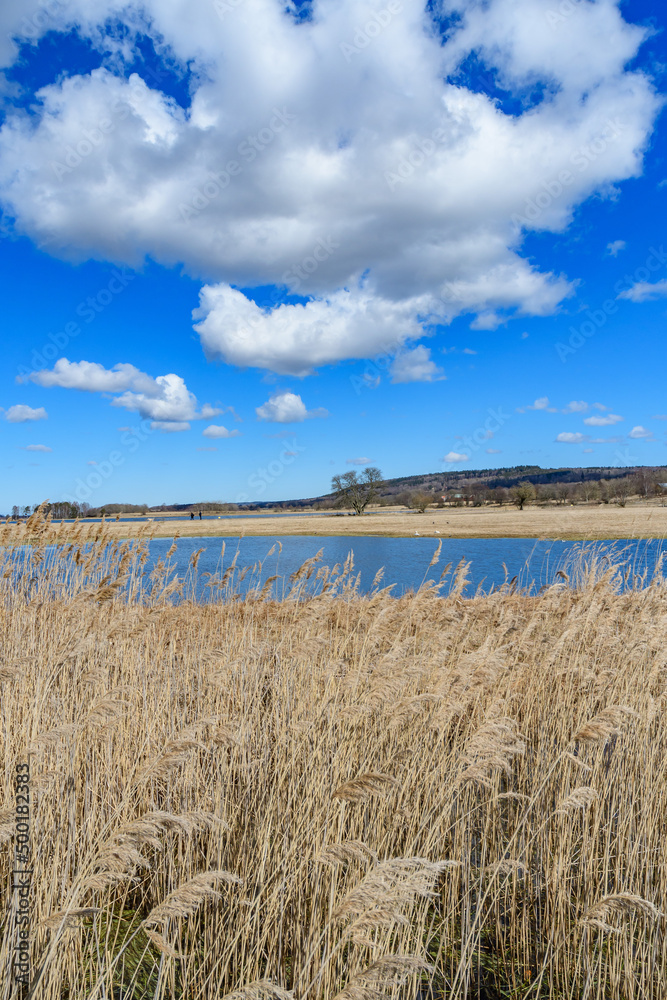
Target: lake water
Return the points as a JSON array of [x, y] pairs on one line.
[[406, 560]]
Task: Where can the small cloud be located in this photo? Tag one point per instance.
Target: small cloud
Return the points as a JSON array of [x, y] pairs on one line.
[[218, 431], [287, 408], [36, 447], [600, 406], [659, 416], [568, 437], [493, 451], [640, 433], [469, 350], [415, 366], [21, 414], [92, 462], [486, 321], [576, 406], [207, 449], [611, 418], [614, 248], [455, 456], [644, 291], [358, 461], [170, 426], [540, 404], [525, 336], [587, 451], [208, 411]]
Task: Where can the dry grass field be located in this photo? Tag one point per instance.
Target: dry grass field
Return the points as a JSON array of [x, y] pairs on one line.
[[339, 796], [603, 521]]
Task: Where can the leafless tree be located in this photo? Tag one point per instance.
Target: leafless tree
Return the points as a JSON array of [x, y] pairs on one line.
[[357, 490]]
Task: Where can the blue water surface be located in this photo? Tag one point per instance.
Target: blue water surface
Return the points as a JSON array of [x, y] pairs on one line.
[[525, 563]]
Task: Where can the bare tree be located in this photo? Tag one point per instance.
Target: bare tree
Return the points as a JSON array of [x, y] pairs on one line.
[[357, 490]]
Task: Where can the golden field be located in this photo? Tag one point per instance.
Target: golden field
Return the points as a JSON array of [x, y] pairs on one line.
[[333, 796]]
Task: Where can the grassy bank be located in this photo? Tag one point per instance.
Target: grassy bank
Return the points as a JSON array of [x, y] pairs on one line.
[[332, 797], [599, 522]]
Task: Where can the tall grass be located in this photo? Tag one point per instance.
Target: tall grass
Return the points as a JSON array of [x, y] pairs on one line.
[[335, 796]]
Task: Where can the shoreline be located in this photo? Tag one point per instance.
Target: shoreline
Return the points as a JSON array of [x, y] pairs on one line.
[[600, 523], [604, 523]]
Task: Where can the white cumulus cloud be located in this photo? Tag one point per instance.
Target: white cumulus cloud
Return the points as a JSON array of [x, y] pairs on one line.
[[311, 162], [21, 414], [639, 433], [218, 431], [415, 365], [164, 400], [37, 447], [287, 408], [571, 437], [455, 456]]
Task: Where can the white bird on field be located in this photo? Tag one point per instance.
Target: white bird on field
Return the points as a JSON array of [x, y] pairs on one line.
[[416, 532]]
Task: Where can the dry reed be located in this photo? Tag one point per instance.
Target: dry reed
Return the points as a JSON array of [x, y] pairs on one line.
[[332, 795]]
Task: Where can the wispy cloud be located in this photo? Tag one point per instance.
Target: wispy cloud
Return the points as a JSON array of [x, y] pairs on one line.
[[644, 291], [614, 248], [611, 418]]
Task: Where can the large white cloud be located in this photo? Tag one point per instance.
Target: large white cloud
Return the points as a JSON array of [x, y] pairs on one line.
[[317, 152], [164, 400]]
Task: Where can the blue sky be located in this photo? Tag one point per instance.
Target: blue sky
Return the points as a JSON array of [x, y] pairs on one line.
[[416, 241]]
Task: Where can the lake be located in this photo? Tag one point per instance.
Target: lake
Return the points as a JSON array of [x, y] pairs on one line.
[[405, 561]]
